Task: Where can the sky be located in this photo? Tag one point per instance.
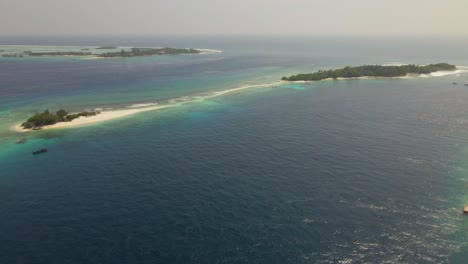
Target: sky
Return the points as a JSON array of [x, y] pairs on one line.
[[234, 17]]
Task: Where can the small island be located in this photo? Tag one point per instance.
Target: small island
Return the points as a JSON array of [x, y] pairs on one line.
[[371, 71], [46, 118]]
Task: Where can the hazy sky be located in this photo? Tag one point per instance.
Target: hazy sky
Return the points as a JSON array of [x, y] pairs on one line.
[[265, 17]]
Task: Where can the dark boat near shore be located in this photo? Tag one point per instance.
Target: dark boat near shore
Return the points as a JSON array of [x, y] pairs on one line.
[[44, 150]]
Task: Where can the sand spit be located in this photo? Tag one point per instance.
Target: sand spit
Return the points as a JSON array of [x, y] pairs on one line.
[[115, 114]]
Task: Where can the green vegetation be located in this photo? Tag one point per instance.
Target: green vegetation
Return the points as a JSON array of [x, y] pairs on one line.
[[372, 71], [107, 47], [61, 53], [46, 118], [134, 52]]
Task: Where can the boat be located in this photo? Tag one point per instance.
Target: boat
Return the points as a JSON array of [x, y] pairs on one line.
[[44, 150], [466, 84], [36, 128], [465, 209], [21, 140], [454, 83]]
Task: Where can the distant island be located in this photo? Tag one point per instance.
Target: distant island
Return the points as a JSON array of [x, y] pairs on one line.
[[46, 118], [107, 47], [86, 52], [60, 53], [13, 55], [371, 71], [135, 52]]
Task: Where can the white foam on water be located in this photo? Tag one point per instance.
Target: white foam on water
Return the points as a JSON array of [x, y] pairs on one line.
[[445, 73], [141, 105], [207, 51], [394, 64]]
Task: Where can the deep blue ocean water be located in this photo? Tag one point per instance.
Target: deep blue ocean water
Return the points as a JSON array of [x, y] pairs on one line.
[[356, 171]]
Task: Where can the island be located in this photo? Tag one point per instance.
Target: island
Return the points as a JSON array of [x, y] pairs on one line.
[[371, 71], [135, 52], [107, 47], [13, 55], [124, 53], [61, 119], [38, 120], [61, 53]]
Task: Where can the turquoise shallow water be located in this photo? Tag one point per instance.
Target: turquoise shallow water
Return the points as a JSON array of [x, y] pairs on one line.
[[293, 86], [354, 171]]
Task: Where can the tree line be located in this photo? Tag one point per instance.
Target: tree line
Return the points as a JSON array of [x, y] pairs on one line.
[[47, 118]]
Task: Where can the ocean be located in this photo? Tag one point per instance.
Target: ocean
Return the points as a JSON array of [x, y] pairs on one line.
[[350, 171]]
